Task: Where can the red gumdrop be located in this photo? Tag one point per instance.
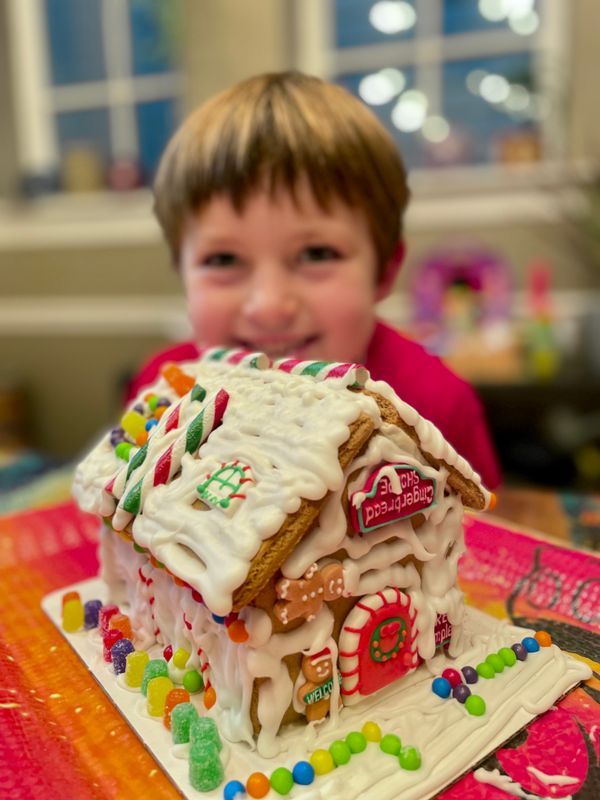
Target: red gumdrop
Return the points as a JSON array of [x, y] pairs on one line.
[[453, 676]]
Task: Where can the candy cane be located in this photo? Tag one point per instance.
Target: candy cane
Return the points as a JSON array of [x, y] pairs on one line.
[[169, 462], [244, 357], [350, 375]]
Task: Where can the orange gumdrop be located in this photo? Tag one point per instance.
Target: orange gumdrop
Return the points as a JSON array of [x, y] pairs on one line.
[[258, 784], [70, 596], [174, 698], [121, 622], [179, 380], [237, 631], [210, 698], [543, 638], [159, 411], [493, 501], [142, 438]]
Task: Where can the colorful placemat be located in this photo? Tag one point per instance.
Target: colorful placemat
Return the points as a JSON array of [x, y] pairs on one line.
[[60, 737]]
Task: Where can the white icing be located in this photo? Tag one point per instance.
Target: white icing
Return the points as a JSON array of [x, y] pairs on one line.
[[549, 780]]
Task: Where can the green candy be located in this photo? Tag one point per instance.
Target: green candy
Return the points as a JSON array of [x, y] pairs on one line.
[[475, 705], [507, 655], [205, 769], [282, 780], [123, 449], [182, 717], [156, 668], [340, 752], [391, 744], [356, 742], [192, 681], [152, 402], [495, 662], [204, 730], [139, 549], [410, 758], [485, 670]]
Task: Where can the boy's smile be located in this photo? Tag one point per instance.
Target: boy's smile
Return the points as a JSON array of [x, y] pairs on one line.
[[284, 278]]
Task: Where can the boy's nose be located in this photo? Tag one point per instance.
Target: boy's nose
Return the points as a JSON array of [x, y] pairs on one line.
[[271, 302]]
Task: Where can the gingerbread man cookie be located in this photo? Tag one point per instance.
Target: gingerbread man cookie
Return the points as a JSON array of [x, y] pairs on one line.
[[305, 597], [316, 693]]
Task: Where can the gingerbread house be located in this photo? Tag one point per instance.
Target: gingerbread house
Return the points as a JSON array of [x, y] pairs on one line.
[[295, 527]]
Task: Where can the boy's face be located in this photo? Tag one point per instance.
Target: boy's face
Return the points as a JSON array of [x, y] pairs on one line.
[[284, 279]]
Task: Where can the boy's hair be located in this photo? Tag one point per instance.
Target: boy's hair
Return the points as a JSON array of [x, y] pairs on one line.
[[272, 130]]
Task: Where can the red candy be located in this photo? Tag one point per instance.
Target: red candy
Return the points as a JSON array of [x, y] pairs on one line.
[[110, 637], [168, 652], [453, 676], [106, 612]]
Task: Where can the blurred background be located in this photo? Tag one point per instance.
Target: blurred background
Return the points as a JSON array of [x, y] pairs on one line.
[[494, 104]]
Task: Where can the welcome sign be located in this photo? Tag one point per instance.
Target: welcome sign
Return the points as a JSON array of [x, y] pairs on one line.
[[392, 492]]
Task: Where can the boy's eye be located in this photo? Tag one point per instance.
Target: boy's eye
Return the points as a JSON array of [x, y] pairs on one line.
[[220, 260], [319, 253]]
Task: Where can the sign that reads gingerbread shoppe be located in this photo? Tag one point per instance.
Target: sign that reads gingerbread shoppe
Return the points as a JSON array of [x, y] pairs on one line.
[[391, 493]]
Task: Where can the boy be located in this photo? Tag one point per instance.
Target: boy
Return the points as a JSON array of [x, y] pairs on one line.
[[281, 200]]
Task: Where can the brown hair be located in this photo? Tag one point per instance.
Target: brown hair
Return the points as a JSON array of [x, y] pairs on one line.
[[271, 131]]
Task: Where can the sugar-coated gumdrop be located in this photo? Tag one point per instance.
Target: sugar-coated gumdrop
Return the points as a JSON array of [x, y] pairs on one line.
[[322, 762], [73, 595], [543, 638], [168, 652], [470, 674], [180, 381], [485, 670], [174, 698], [121, 622], [508, 656], [133, 423], [371, 731], [156, 695], [193, 682], [303, 773], [461, 692], [104, 615], [91, 611], [234, 790], [180, 658], [282, 780], [210, 697], [156, 668], [135, 664], [475, 705], [205, 768], [258, 784], [409, 758], [119, 652], [340, 752], [495, 662], [182, 717], [441, 687], [108, 640], [452, 676], [530, 644], [72, 615], [519, 651], [390, 743], [356, 742], [204, 729]]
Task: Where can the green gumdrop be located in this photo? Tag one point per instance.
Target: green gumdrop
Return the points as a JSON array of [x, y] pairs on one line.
[[508, 656], [409, 758], [485, 670], [203, 730], [495, 662], [123, 449], [475, 705], [182, 717], [192, 681], [391, 744], [356, 742], [340, 752], [152, 403], [205, 769], [282, 780], [156, 668]]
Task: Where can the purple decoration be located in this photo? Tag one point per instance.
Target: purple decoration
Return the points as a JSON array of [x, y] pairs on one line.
[[139, 407], [117, 435], [163, 401], [461, 692], [470, 674], [119, 652], [91, 611], [520, 651]]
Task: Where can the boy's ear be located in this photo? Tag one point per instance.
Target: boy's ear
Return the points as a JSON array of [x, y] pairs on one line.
[[387, 280]]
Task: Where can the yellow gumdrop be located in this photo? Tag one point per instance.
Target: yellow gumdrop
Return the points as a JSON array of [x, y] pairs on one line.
[[135, 664], [180, 658], [322, 762], [134, 424], [72, 615], [371, 731], [158, 689]]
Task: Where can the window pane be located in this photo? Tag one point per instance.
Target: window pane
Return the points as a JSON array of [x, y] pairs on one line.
[[465, 16], [75, 41], [155, 35], [493, 109], [361, 22], [84, 144], [156, 122]]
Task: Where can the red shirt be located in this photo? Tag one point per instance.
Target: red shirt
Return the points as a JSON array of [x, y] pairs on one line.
[[419, 378]]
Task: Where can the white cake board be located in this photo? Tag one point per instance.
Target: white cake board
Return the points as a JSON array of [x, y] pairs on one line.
[[450, 740]]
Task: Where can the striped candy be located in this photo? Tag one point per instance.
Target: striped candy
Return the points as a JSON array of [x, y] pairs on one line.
[[244, 357], [353, 375]]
